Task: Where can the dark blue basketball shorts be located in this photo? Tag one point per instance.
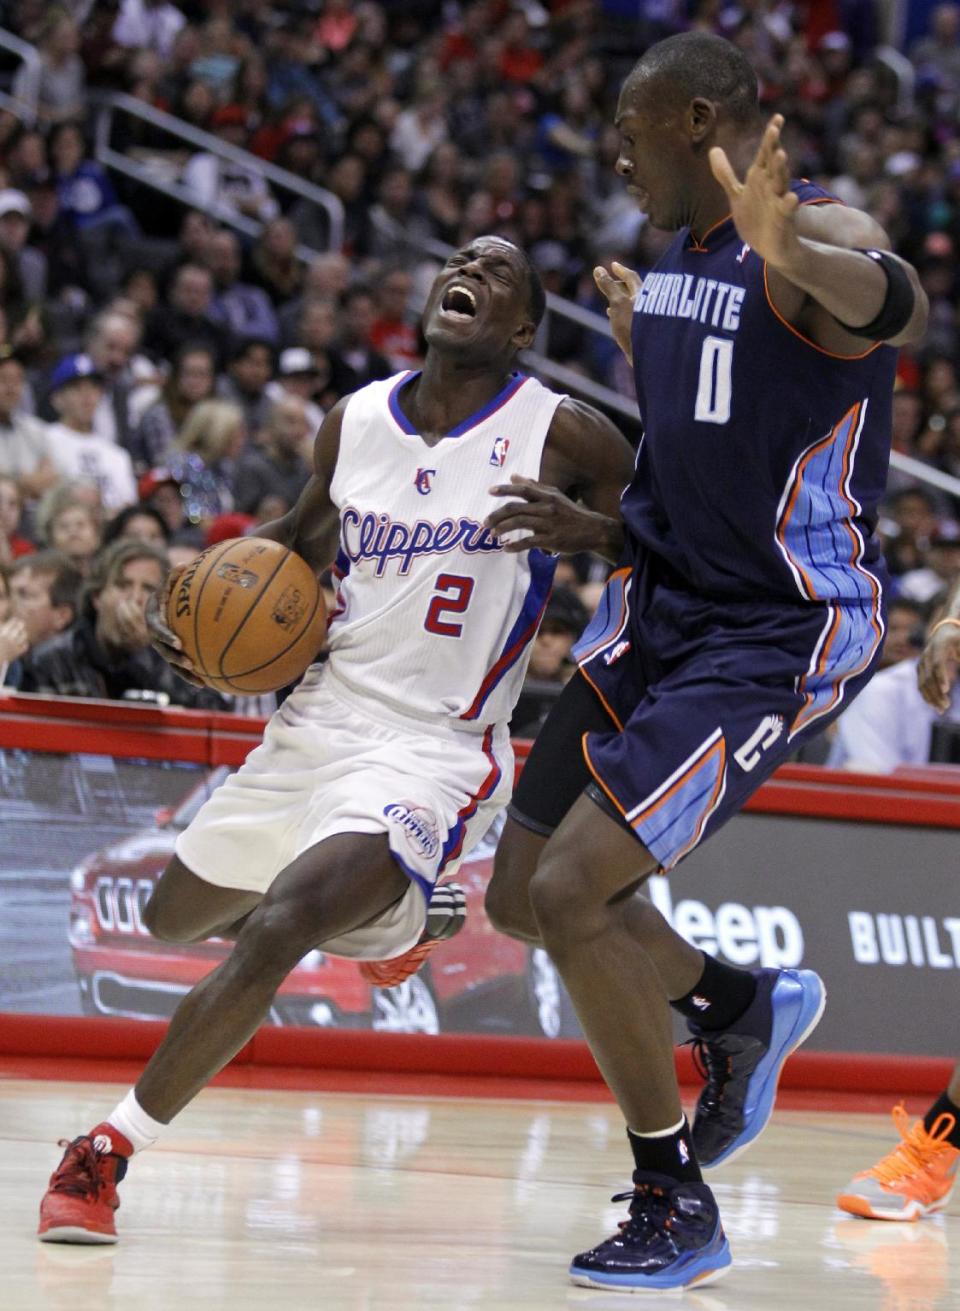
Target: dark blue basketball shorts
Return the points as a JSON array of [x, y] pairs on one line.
[[694, 703]]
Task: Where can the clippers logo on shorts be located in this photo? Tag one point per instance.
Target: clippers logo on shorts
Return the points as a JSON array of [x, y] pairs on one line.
[[290, 608], [422, 481], [498, 455], [419, 827], [233, 573]]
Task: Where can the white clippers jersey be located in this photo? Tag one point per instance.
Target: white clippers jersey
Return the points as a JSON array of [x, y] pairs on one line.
[[433, 617]]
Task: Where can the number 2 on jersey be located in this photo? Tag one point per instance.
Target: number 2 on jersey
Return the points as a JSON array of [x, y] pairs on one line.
[[715, 383], [452, 596]]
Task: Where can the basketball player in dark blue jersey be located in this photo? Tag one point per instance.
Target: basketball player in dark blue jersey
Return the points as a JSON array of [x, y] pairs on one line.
[[747, 611]]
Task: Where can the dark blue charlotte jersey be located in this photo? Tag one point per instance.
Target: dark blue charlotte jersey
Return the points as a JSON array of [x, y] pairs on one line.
[[764, 457]]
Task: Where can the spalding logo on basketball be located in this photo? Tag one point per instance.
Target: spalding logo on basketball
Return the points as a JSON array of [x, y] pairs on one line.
[[250, 615]]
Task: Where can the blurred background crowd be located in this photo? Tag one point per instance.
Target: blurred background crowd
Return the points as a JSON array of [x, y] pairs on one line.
[[164, 362]]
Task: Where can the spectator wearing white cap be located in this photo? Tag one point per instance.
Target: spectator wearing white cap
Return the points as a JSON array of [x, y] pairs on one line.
[[76, 389], [15, 216], [298, 375]]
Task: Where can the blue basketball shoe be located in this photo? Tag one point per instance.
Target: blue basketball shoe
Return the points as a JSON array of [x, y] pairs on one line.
[[672, 1240], [742, 1063]]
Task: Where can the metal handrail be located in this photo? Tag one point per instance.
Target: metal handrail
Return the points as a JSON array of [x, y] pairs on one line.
[[25, 107], [120, 102]]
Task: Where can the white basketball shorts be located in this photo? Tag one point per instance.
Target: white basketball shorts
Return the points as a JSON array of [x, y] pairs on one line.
[[333, 762]]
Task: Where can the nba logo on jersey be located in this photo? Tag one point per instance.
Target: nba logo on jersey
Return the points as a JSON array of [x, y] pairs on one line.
[[422, 481], [499, 453]]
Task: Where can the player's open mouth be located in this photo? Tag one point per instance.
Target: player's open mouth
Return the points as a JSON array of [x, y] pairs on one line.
[[459, 302]]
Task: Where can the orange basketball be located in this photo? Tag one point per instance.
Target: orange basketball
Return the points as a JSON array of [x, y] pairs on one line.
[[250, 615]]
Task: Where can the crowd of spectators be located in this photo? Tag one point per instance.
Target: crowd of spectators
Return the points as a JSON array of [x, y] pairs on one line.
[[162, 374]]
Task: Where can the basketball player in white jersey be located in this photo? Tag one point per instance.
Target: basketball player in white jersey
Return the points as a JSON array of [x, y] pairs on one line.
[[391, 759]]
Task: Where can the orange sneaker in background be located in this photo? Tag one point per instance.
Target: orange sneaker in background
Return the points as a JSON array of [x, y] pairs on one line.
[[913, 1180]]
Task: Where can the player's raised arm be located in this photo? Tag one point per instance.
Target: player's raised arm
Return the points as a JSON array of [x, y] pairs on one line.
[[838, 257], [312, 526], [575, 505]]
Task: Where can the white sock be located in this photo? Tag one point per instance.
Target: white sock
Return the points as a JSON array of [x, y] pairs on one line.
[[140, 1130]]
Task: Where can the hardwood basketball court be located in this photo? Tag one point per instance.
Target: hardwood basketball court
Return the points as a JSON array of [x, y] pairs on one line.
[[262, 1201]]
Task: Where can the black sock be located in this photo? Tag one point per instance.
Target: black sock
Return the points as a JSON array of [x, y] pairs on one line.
[[944, 1106], [721, 995], [670, 1154]]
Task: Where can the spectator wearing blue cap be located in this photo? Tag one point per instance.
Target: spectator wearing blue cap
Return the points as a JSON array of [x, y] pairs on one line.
[[77, 451]]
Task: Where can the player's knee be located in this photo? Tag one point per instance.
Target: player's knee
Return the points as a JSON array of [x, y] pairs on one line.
[[163, 923], [272, 940], [508, 908], [562, 911], [507, 900]]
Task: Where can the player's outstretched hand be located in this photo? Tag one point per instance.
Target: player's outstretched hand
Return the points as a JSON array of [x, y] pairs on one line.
[[939, 663], [546, 518], [164, 639], [620, 287], [762, 205]]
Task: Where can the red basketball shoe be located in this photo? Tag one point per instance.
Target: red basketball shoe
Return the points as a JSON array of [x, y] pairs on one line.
[[81, 1198], [445, 918]]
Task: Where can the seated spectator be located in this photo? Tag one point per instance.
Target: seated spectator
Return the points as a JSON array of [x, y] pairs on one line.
[[911, 524], [299, 376], [420, 129], [193, 378], [888, 725], [906, 622], [152, 24], [106, 651], [16, 213], [23, 327], [77, 451], [24, 441], [396, 231], [355, 344], [161, 491], [138, 523], [203, 458], [112, 340], [184, 316], [940, 569], [393, 332], [325, 279], [247, 378], [563, 621], [13, 636], [244, 310], [274, 265], [69, 524], [12, 545], [224, 186], [61, 91], [88, 200], [281, 468], [46, 594]]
